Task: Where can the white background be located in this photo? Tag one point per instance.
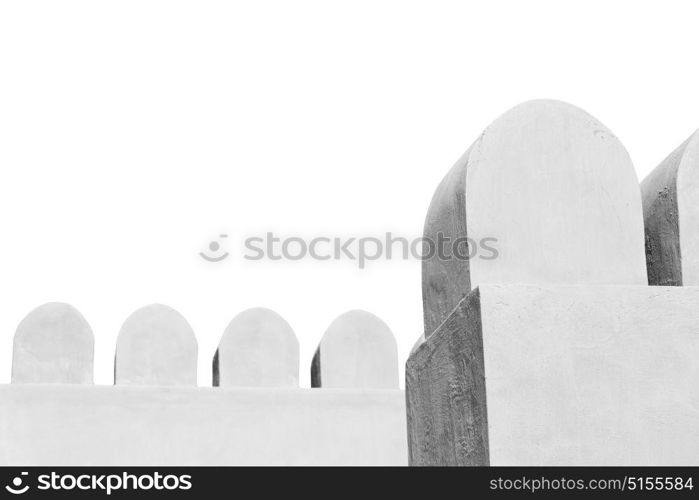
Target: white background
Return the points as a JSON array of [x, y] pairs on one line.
[[134, 132]]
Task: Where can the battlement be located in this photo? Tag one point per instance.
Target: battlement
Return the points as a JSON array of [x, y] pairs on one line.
[[156, 414], [558, 352]]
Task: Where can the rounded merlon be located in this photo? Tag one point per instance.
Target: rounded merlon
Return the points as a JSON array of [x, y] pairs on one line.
[[258, 349], [156, 346], [558, 192], [358, 350], [671, 214], [53, 345]]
